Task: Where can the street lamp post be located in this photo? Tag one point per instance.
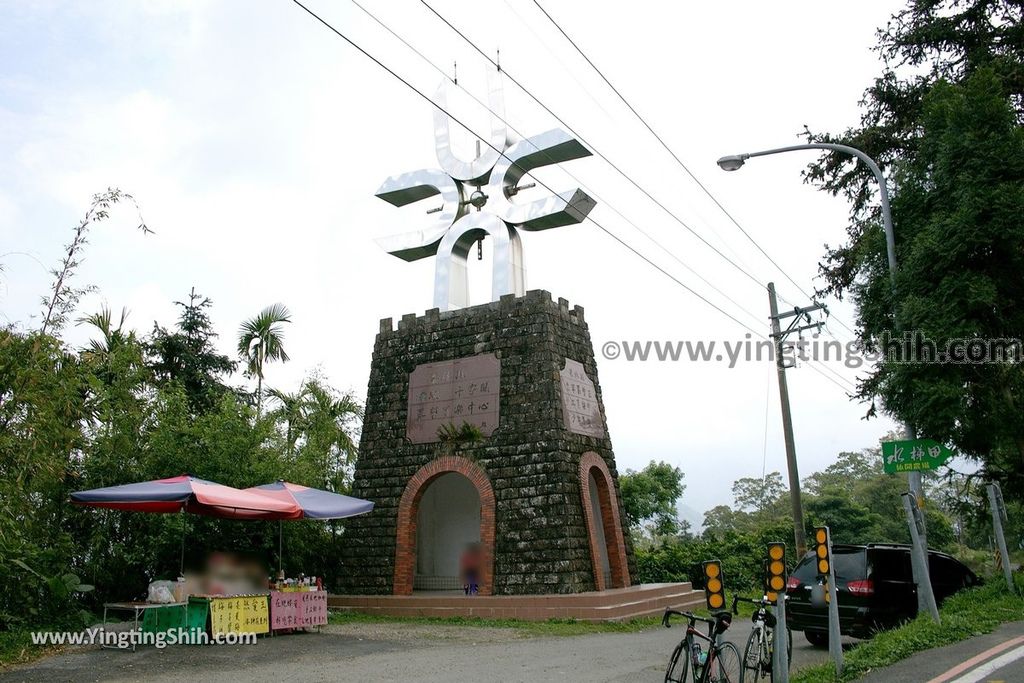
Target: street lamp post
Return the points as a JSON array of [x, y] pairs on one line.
[[734, 162]]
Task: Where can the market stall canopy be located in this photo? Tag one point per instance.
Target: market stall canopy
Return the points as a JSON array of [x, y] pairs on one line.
[[315, 503], [192, 495]]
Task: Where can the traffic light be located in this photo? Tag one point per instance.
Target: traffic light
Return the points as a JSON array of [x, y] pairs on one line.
[[823, 556], [821, 550], [714, 589], [775, 571]]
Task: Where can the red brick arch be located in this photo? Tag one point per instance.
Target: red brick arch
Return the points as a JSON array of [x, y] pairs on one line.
[[408, 509], [610, 522]]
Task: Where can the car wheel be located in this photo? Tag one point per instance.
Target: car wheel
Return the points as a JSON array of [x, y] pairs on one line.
[[817, 638]]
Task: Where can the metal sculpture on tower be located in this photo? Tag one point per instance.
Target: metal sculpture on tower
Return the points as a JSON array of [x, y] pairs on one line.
[[490, 180]]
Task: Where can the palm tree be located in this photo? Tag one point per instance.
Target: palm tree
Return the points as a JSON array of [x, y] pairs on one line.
[[110, 337], [261, 339], [330, 423], [291, 411]]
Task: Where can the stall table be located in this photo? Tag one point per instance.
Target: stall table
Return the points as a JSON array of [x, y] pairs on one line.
[[234, 613], [159, 612]]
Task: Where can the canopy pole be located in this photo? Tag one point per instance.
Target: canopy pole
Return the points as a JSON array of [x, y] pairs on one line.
[[280, 552], [181, 566]]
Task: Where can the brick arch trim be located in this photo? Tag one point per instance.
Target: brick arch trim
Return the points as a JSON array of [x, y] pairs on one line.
[[408, 509], [610, 521]]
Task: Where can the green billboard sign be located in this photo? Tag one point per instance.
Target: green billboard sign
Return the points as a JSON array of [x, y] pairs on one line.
[[913, 455]]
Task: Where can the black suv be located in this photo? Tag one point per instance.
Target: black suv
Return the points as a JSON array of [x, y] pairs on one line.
[[875, 589]]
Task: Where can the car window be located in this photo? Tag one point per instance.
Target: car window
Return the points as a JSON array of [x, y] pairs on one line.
[[891, 565], [805, 571], [947, 570], [850, 564]]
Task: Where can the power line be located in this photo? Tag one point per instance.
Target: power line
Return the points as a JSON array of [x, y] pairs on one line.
[[669, 149], [679, 161], [599, 153], [591, 145], [849, 386], [618, 239], [525, 138], [502, 153]]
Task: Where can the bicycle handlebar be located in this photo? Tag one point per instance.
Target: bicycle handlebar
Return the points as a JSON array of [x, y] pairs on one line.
[[736, 599], [691, 617]]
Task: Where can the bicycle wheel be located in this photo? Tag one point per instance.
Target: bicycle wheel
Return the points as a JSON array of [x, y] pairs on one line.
[[678, 664], [726, 668], [752, 655]]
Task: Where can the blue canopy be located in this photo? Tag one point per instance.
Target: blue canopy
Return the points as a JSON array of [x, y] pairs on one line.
[[315, 503]]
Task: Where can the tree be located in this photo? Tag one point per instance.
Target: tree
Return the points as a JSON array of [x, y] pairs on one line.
[[189, 357], [650, 495], [289, 411], [261, 339], [63, 297], [847, 521], [849, 469], [330, 424], [42, 409], [761, 496], [945, 119], [722, 519]]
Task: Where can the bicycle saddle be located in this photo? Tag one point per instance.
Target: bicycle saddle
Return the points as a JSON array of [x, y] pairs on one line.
[[723, 620]]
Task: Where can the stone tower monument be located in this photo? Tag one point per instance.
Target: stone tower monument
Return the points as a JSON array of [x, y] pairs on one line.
[[533, 486]]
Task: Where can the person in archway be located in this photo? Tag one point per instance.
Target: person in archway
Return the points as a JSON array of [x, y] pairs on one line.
[[469, 568]]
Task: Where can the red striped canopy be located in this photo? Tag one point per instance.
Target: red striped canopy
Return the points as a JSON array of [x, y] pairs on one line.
[[192, 495]]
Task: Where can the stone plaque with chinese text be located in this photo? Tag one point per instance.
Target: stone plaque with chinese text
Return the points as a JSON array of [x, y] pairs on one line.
[[453, 392], [579, 401]]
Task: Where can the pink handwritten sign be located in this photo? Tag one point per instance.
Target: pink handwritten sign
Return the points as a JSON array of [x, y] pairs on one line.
[[314, 608], [297, 610]]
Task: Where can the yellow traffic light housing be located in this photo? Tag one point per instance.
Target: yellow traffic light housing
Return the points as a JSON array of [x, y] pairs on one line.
[[775, 571], [821, 550], [823, 557], [714, 588]]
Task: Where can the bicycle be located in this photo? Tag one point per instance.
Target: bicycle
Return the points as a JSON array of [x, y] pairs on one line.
[[760, 649], [721, 662]]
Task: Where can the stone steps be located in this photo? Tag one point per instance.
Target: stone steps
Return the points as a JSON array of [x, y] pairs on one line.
[[618, 604]]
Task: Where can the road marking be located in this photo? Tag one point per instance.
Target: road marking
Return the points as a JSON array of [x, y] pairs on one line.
[[995, 665], [977, 659]]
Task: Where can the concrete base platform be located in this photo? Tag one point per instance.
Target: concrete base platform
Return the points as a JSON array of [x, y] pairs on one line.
[[617, 604]]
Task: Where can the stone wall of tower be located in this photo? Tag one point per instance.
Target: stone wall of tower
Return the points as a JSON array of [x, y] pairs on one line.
[[532, 462]]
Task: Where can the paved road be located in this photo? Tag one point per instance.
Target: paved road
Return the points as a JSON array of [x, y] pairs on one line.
[[393, 652], [997, 656]]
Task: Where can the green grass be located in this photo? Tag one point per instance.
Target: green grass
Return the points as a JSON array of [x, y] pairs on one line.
[[969, 613], [16, 648], [552, 627]]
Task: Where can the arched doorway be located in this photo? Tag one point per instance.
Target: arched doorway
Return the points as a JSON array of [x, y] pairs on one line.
[[449, 502], [604, 528], [448, 520]]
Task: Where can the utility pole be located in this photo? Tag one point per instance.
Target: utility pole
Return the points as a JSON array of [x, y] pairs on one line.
[[995, 499], [919, 552], [779, 337]]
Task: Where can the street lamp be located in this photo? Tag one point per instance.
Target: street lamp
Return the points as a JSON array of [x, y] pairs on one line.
[[734, 162]]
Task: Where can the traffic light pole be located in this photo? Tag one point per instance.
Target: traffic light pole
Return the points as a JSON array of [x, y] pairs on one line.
[[780, 648], [835, 638]]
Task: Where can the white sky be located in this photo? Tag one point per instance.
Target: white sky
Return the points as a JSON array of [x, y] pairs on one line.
[[254, 140]]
